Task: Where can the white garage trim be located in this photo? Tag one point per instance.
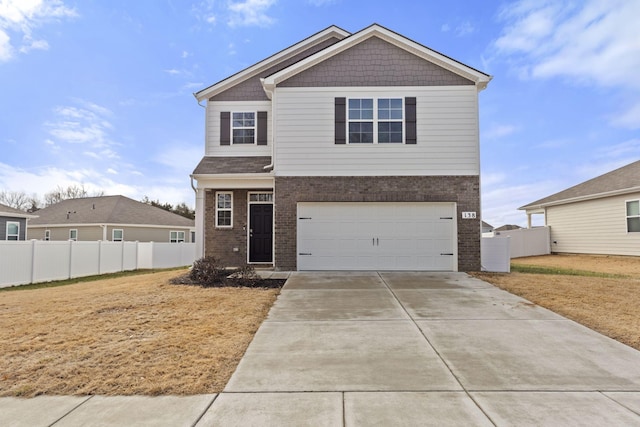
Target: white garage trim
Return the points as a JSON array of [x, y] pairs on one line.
[[377, 236]]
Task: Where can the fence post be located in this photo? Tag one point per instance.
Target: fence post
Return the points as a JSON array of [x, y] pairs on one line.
[[70, 257], [33, 260]]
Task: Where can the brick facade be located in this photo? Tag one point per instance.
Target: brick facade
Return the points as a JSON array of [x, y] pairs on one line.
[[220, 242], [464, 190]]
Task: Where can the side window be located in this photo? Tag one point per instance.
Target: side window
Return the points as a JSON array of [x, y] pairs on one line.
[[73, 234], [117, 235], [633, 216], [13, 230], [176, 236], [47, 234], [243, 128], [224, 209]]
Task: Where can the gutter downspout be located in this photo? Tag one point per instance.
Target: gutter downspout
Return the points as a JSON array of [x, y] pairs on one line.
[[104, 231], [269, 91]]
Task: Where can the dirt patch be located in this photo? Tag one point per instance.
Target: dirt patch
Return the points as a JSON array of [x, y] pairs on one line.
[[130, 335], [607, 305]]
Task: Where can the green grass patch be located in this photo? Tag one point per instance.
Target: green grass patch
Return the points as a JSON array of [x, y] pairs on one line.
[[534, 269], [56, 283]]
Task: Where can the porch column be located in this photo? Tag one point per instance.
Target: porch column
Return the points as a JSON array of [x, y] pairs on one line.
[[200, 223]]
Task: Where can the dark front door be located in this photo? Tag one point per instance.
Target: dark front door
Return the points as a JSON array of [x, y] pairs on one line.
[[260, 233]]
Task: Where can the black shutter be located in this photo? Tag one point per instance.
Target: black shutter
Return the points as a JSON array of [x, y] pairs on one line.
[[410, 121], [262, 128], [225, 128], [340, 121]]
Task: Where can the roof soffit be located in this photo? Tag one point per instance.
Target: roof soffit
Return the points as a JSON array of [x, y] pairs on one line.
[[479, 78], [247, 73]]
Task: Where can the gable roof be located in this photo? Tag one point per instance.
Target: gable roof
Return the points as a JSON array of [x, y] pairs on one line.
[[620, 181], [329, 32], [108, 210], [479, 78], [15, 213]]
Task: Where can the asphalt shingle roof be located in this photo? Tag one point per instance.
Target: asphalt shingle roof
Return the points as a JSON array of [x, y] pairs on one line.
[[626, 177], [108, 210], [223, 165], [4, 210]]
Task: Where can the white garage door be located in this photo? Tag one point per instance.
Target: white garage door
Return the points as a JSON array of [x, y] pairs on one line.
[[377, 236]]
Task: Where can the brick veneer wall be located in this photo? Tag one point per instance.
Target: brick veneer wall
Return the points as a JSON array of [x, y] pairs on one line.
[[464, 190], [219, 242]]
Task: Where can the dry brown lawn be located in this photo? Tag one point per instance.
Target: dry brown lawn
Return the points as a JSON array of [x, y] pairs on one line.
[[128, 335], [610, 306]]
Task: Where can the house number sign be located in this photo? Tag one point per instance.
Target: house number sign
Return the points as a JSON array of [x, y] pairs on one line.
[[468, 215]]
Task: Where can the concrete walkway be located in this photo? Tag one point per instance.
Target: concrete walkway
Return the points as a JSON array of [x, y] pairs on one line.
[[363, 349]]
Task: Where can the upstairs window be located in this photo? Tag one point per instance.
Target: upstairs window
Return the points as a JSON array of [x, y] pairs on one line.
[[379, 121], [13, 230], [390, 120], [360, 121], [243, 128], [633, 216]]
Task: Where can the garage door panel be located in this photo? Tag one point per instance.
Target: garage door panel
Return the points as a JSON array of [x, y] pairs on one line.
[[369, 236]]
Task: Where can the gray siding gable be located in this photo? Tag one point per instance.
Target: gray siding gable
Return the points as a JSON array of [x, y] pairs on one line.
[[375, 62], [252, 90]]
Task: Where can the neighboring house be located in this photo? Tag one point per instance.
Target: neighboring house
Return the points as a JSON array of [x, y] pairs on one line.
[[487, 229], [113, 218], [507, 227], [13, 223], [344, 151], [599, 216]]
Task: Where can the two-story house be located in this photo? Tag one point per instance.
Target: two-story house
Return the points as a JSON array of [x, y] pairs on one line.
[[343, 152]]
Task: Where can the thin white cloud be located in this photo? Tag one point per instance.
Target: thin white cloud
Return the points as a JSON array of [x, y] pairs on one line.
[[464, 29], [20, 19], [629, 119], [591, 41], [250, 13], [321, 2], [445, 27], [499, 131]]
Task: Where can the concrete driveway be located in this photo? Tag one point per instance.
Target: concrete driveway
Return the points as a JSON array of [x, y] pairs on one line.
[[387, 349], [425, 349]]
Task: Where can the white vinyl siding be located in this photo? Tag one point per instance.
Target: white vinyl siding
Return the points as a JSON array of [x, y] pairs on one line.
[[447, 130], [213, 147], [593, 227]]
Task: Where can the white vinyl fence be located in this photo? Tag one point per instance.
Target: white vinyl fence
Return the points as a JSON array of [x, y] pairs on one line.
[[497, 251], [36, 261], [528, 241]]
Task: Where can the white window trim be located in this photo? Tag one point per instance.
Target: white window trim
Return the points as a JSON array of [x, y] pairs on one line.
[[113, 235], [47, 235], [254, 127], [626, 216], [177, 239], [224, 210], [75, 239], [266, 202], [7, 230], [375, 120]]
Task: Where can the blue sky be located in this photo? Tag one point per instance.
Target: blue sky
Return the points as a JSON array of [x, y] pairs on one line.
[[99, 92]]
